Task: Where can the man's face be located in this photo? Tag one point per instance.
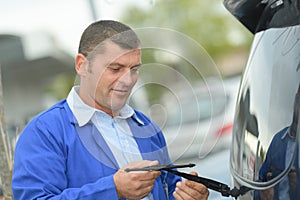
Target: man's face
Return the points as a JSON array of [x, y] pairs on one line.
[[110, 78]]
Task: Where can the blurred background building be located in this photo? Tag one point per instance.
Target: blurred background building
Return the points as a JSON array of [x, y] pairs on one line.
[[30, 65]]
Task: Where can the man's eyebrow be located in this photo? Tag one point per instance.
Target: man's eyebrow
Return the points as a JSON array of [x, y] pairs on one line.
[[116, 64], [121, 65], [138, 65]]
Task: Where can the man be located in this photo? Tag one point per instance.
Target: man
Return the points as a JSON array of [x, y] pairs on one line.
[[79, 148], [279, 157]]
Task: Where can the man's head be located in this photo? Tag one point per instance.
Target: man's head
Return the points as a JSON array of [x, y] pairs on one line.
[[100, 31], [107, 62]]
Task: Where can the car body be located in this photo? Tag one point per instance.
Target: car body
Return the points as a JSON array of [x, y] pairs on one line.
[[264, 157]]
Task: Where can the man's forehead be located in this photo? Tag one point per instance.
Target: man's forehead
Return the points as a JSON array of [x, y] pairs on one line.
[[128, 58], [127, 55], [115, 50], [117, 55]]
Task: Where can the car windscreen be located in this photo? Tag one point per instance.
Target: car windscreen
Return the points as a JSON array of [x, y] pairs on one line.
[[266, 129]]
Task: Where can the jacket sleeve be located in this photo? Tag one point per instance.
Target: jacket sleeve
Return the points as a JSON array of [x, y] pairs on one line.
[[40, 170]]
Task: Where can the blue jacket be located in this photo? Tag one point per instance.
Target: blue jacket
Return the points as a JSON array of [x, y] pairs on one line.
[[275, 162], [54, 160]]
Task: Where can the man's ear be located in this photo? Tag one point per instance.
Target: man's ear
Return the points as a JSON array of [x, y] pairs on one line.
[[81, 64]]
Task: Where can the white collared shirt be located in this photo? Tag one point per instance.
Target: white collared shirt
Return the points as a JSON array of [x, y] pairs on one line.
[[115, 130]]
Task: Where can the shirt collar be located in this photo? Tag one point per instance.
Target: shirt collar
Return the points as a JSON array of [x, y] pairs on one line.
[[84, 113], [287, 133]]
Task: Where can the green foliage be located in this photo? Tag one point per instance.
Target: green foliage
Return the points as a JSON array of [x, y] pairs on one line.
[[206, 21], [61, 85]]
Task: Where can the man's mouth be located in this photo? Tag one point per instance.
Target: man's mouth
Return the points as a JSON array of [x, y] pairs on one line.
[[120, 91]]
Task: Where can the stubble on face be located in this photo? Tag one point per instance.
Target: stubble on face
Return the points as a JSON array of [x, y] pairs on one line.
[[112, 76]]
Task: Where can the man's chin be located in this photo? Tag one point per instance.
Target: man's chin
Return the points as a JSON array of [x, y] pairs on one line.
[[117, 107]]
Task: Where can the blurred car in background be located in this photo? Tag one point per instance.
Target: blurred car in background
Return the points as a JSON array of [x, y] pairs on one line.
[[201, 121]]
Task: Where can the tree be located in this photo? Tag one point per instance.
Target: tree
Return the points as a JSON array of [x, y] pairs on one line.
[[194, 35], [5, 152], [205, 21]]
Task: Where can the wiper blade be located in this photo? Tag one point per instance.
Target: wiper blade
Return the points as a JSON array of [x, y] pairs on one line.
[[212, 184], [209, 183], [159, 167]]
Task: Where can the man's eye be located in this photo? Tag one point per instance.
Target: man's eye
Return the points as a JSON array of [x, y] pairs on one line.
[[114, 69], [134, 69]]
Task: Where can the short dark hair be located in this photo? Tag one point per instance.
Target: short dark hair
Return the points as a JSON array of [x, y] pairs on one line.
[[96, 33]]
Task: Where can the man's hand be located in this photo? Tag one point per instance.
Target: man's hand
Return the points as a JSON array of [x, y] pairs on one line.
[[190, 190], [268, 193], [293, 181], [135, 185]]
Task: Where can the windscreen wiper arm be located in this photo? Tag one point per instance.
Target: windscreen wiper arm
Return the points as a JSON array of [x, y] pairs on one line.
[[209, 183], [212, 184]]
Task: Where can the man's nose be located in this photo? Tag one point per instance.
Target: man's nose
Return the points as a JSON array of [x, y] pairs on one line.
[[126, 77]]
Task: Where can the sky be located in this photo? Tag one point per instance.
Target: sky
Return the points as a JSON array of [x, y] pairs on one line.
[[65, 20]]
